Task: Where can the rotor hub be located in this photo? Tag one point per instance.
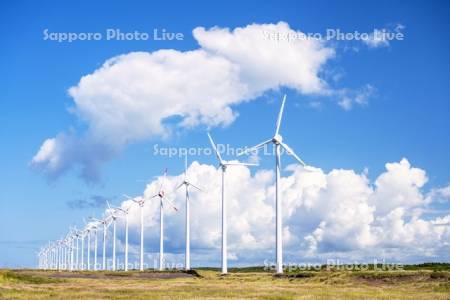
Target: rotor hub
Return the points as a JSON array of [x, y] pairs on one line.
[[277, 139]]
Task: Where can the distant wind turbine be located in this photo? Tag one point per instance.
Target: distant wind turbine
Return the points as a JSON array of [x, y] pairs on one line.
[[162, 197], [95, 228], [223, 165], [83, 235], [186, 183], [104, 222], [125, 212], [140, 201], [88, 267], [113, 217]]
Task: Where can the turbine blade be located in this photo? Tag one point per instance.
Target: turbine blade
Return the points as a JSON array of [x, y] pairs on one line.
[[239, 164], [171, 203], [280, 115], [219, 158], [163, 180], [254, 148], [180, 185], [291, 152], [196, 187], [185, 166], [107, 202]]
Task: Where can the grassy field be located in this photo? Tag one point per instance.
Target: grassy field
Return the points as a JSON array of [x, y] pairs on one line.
[[252, 283]]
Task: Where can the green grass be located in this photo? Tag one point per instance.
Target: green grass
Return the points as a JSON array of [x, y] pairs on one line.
[[243, 284], [429, 266], [17, 277]]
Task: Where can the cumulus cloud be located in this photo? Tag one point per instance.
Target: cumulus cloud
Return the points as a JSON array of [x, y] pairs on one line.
[[339, 214], [382, 37], [266, 64], [144, 95], [68, 151], [360, 97], [441, 195]]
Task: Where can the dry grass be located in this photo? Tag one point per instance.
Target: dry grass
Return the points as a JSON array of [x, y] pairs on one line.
[[210, 285]]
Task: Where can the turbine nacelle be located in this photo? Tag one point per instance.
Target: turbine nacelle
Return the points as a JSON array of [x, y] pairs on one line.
[[277, 139]]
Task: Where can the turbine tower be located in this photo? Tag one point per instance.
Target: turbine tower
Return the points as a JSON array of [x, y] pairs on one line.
[[77, 248], [277, 140], [140, 201], [94, 227], [161, 195], [104, 222], [88, 230], [186, 183], [125, 212], [223, 165], [113, 217], [83, 235]]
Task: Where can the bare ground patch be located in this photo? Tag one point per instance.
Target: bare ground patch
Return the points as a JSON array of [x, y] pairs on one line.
[[395, 278], [111, 275]]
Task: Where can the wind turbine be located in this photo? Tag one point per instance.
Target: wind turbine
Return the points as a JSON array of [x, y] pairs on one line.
[[83, 235], [161, 195], [104, 222], [70, 245], [77, 234], [94, 226], [66, 260], [124, 211], [277, 140], [113, 217], [140, 201], [186, 183], [223, 165], [89, 228]]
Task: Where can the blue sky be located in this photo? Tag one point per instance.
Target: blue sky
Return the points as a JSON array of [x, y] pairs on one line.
[[406, 114]]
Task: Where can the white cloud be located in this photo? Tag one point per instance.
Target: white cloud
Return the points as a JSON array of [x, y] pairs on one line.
[[345, 103], [267, 64], [376, 39], [399, 187], [335, 214], [143, 95], [350, 98], [382, 37], [439, 194]]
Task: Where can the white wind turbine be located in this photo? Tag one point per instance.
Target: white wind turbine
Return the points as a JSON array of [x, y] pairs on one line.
[[66, 253], [223, 165], [89, 228], [77, 234], [59, 254], [94, 226], [277, 140], [126, 212], [113, 217], [161, 195], [187, 184], [88, 250], [140, 201], [104, 222], [83, 235], [70, 244]]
